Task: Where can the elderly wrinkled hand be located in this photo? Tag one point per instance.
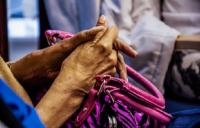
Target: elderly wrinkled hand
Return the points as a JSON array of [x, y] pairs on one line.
[[42, 66], [96, 57], [119, 45], [77, 76]]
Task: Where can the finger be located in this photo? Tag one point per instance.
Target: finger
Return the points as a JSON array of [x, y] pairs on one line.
[[120, 44], [121, 67], [111, 72], [108, 38], [101, 21], [99, 35], [124, 47], [70, 44], [112, 58], [85, 35], [109, 63]]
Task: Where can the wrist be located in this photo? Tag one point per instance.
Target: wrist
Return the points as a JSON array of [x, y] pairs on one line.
[[12, 69], [75, 81], [12, 66], [19, 72], [62, 97]]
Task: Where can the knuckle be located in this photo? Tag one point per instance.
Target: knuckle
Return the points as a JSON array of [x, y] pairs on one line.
[[113, 71], [112, 60], [119, 44], [102, 48], [88, 33], [85, 35], [80, 35]]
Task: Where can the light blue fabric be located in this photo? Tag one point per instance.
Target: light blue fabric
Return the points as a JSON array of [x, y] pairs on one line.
[[22, 111], [62, 15], [71, 15], [87, 13]]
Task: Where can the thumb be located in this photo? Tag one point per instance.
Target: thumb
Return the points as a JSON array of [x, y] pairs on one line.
[[101, 21]]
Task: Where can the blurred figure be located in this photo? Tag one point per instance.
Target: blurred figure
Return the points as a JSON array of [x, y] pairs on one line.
[[182, 15]]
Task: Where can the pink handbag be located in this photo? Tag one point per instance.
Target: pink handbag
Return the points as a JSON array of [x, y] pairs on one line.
[[116, 103]]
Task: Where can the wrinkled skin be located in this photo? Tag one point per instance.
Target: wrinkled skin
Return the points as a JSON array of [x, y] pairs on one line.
[[119, 44], [73, 63], [54, 35], [42, 66], [76, 77]]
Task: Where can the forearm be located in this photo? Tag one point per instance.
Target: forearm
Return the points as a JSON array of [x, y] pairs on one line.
[[61, 101], [28, 74], [8, 77], [24, 74]]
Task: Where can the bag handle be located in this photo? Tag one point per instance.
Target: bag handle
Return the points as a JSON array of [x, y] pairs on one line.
[[150, 108], [155, 99], [153, 112], [149, 104], [53, 35]]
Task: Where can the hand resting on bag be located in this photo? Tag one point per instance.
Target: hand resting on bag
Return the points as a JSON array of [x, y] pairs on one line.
[[42, 66], [74, 63], [76, 77]]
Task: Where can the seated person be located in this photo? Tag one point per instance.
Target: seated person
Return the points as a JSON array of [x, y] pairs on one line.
[[72, 65]]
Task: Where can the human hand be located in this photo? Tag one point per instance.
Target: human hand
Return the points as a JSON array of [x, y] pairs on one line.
[[119, 45], [76, 77], [42, 66], [95, 57]]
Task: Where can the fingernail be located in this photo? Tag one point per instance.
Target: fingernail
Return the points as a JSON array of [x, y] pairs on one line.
[[102, 19]]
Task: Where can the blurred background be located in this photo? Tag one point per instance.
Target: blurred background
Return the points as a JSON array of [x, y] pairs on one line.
[[23, 27]]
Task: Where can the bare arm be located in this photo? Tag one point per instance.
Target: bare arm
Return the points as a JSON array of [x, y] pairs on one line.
[[7, 75], [76, 78]]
